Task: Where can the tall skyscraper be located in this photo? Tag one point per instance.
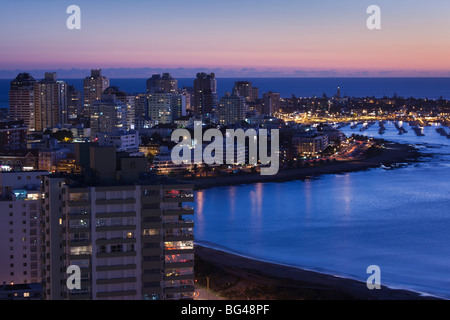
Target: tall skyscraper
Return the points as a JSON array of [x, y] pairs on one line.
[[107, 115], [246, 90], [205, 93], [270, 103], [93, 88], [231, 109], [164, 101], [129, 235], [74, 104], [21, 100], [164, 83], [160, 107], [50, 98]]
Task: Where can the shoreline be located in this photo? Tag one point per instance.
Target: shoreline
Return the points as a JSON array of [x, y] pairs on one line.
[[237, 277], [393, 153]]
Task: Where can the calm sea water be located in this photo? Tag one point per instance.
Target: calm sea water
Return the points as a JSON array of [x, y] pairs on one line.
[[342, 223], [431, 88]]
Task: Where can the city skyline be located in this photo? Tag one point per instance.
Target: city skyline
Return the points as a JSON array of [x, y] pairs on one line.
[[262, 39]]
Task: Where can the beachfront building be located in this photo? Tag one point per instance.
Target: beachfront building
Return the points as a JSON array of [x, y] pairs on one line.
[[129, 234], [311, 146], [308, 141]]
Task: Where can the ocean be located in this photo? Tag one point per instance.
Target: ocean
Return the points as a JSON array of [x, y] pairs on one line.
[[430, 88], [340, 224]]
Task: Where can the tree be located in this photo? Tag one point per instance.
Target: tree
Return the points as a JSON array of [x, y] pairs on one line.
[[62, 135]]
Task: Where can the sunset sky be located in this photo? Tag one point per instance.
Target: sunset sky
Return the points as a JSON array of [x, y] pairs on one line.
[[300, 38]]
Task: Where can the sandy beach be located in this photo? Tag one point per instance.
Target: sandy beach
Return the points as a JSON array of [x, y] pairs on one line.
[[235, 277], [393, 153]]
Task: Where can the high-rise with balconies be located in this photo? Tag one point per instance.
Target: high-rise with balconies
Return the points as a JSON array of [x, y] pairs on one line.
[[93, 88], [205, 93], [50, 102], [130, 235], [21, 99]]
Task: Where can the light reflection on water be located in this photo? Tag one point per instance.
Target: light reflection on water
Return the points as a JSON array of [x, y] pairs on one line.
[[340, 224]]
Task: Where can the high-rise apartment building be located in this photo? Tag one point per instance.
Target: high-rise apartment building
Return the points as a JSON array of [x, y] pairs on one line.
[[93, 88], [165, 107], [50, 102], [74, 104], [20, 205], [160, 107], [108, 114], [129, 234], [270, 103], [205, 93], [231, 109], [246, 90], [21, 99], [162, 83], [13, 135]]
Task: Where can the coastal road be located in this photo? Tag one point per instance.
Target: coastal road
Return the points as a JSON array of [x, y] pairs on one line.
[[203, 294]]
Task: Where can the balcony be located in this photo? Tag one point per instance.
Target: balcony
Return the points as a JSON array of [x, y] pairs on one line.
[[80, 296], [179, 277], [151, 290], [181, 264], [115, 201], [178, 196], [115, 240], [152, 264], [178, 211], [115, 280], [116, 254], [104, 215], [151, 212], [180, 289], [77, 229], [115, 228], [151, 239], [151, 199], [116, 294], [151, 251], [78, 203], [116, 267], [180, 237], [151, 225], [151, 277], [79, 242], [182, 223]]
